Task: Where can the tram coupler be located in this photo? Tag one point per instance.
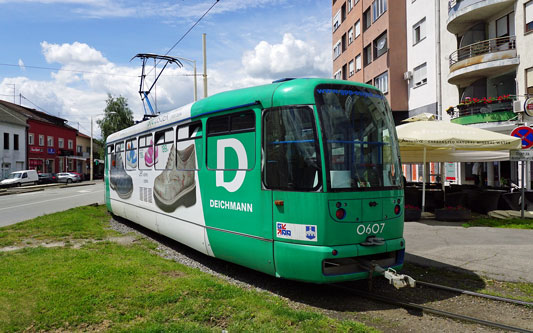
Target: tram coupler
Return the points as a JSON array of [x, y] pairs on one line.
[[399, 280]]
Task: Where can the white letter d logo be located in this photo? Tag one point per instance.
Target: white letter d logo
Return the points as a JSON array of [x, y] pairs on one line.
[[237, 146]]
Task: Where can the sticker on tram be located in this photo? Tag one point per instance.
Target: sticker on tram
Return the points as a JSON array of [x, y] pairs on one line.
[[369, 229], [296, 231]]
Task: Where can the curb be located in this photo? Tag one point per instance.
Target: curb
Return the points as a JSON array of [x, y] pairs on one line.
[[76, 185], [18, 191]]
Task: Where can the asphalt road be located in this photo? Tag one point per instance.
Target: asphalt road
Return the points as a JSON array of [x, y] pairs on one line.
[[501, 254], [20, 207]]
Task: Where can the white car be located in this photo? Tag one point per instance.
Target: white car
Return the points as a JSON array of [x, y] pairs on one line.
[[67, 177], [18, 178]]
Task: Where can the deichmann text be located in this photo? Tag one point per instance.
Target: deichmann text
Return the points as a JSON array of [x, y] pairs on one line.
[[231, 205]]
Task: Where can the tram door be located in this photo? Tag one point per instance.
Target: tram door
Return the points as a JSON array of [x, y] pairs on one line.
[[291, 171]]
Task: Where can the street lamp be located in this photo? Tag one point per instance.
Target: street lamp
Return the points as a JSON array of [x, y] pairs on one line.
[[91, 157]]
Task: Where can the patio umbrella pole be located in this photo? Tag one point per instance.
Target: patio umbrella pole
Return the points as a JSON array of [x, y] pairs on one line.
[[424, 183]]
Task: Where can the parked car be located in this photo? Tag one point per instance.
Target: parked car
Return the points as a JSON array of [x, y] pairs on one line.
[[67, 177], [19, 178], [47, 178], [80, 176]]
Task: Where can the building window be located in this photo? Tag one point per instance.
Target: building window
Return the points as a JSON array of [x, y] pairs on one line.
[[343, 43], [367, 55], [502, 26], [70, 144], [15, 142], [350, 36], [6, 141], [337, 20], [50, 141], [358, 63], [419, 31], [382, 82], [528, 14], [338, 75], [380, 45], [351, 68], [357, 28], [350, 5], [344, 71], [61, 142], [79, 149], [420, 75], [366, 19], [378, 8], [41, 140], [337, 50], [30, 138]]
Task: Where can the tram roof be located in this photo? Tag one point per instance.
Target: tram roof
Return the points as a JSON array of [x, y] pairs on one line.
[[283, 92]]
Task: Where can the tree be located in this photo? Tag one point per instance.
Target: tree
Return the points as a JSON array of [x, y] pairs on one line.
[[117, 116]]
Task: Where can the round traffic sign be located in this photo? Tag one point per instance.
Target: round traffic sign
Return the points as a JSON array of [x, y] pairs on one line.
[[526, 134], [528, 106]]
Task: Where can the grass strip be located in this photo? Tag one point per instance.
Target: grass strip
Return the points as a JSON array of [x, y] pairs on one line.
[[515, 223], [112, 287]]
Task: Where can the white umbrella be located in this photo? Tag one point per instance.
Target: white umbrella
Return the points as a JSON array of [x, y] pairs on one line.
[[440, 141]]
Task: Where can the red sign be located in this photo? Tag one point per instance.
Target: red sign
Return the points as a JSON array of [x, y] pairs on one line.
[[526, 134], [528, 107], [36, 150]]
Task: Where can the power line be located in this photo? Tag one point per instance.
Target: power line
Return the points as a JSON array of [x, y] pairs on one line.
[[37, 106], [82, 71], [186, 33]]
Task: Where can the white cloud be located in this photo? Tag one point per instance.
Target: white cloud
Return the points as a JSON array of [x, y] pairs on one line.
[[291, 58], [75, 53]]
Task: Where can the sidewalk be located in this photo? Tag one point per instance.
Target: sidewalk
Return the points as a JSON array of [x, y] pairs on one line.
[[501, 254]]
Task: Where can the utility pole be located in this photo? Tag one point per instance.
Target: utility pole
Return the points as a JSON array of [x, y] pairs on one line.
[[205, 65]]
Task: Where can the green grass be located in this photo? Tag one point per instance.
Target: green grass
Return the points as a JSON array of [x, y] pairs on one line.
[[515, 223], [112, 287], [80, 223]]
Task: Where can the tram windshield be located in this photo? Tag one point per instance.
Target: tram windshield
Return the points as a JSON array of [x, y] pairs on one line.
[[361, 150]]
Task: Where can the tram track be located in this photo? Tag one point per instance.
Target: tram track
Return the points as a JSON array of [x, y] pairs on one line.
[[413, 306]]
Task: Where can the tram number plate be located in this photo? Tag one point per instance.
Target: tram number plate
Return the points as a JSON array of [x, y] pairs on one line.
[[375, 228]]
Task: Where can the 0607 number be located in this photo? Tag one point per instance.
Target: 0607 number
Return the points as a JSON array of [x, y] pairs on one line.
[[375, 228]]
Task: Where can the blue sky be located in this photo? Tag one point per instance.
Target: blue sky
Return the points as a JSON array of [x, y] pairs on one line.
[[249, 42]]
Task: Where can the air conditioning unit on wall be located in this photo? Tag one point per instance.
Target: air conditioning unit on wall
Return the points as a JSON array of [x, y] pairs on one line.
[[408, 75], [517, 106]]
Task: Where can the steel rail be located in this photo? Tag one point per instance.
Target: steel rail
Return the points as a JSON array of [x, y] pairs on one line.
[[473, 293], [426, 309]]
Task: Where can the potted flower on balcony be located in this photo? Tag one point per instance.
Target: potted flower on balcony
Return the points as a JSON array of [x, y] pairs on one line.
[[453, 214], [412, 213]]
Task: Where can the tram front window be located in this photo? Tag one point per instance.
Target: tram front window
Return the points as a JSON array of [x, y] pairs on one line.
[[291, 160], [361, 146]]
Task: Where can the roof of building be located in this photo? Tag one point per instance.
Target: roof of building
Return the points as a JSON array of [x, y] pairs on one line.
[[36, 115]]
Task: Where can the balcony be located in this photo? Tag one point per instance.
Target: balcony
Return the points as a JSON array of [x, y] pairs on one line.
[[486, 58], [465, 13], [483, 110]]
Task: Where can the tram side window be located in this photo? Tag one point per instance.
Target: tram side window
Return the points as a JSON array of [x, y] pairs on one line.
[[233, 137], [131, 154], [111, 156], [119, 154], [164, 143], [188, 147], [290, 147], [147, 156]]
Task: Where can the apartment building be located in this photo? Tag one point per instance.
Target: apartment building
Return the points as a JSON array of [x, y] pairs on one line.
[[369, 38], [488, 72]]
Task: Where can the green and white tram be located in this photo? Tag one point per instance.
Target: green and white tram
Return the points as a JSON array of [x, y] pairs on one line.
[[299, 179]]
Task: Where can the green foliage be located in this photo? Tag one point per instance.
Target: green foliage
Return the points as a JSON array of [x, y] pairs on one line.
[[117, 116]]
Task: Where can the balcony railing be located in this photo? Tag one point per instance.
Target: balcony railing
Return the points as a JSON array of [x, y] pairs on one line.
[[480, 107], [483, 47]]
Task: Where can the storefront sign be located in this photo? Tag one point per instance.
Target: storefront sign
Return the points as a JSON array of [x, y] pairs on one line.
[[51, 151], [36, 150]]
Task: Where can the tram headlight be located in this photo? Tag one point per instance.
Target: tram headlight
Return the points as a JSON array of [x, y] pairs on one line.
[[340, 214]]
